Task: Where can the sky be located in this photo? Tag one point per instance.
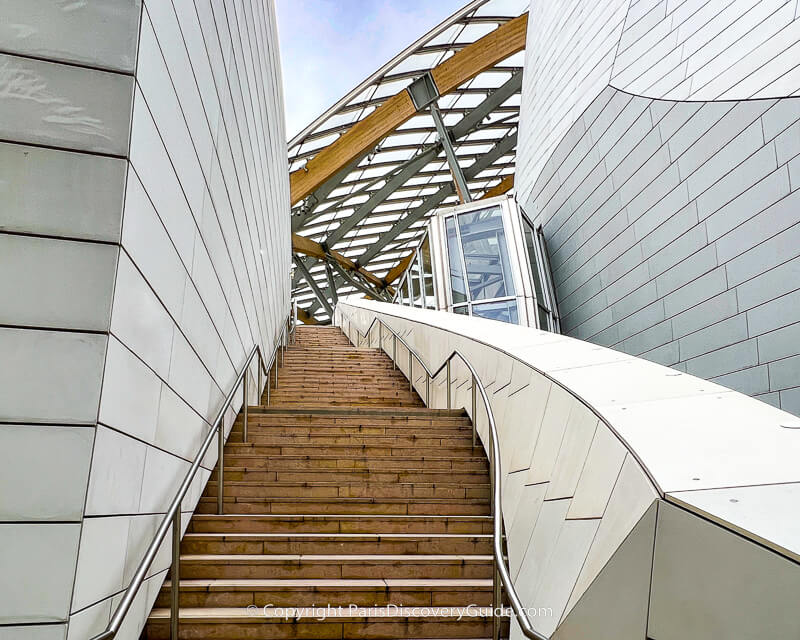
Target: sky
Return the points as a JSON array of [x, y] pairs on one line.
[[330, 46]]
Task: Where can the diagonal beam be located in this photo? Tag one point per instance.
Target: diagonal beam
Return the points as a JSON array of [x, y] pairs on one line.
[[464, 65], [469, 123], [321, 297], [398, 270], [505, 185], [305, 317], [372, 293], [306, 246], [504, 146]]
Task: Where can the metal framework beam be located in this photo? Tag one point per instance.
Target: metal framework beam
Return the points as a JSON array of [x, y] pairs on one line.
[[306, 246], [321, 297], [469, 123], [367, 291], [503, 147], [462, 66], [459, 181]]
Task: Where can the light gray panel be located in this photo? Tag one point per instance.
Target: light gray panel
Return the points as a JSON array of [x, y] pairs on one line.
[[724, 360], [713, 337], [728, 211], [775, 314], [772, 284], [115, 480], [698, 587], [34, 632], [99, 34], [784, 373], [751, 187], [614, 607], [61, 193], [713, 310], [752, 381], [64, 106], [59, 284], [759, 259], [38, 567], [779, 343], [780, 216], [49, 468], [790, 400], [696, 291], [35, 361]]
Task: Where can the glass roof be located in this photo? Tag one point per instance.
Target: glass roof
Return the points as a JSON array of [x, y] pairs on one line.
[[376, 211]]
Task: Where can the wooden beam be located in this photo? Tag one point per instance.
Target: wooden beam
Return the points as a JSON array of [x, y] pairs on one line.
[[306, 246], [464, 65], [306, 317], [506, 185], [400, 268], [481, 55]]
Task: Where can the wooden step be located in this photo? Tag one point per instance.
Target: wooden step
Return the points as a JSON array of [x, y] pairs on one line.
[[348, 492], [340, 523], [328, 543], [373, 623], [335, 566], [366, 592], [353, 506]]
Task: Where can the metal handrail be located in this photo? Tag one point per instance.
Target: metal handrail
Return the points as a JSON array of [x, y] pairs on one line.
[[173, 515], [501, 570]]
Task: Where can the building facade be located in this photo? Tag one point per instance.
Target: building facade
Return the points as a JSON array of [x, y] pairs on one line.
[[144, 236], [658, 149]]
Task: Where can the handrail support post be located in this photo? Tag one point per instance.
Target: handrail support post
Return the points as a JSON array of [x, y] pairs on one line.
[[410, 372], [448, 384], [220, 465], [175, 577], [246, 402], [474, 414]]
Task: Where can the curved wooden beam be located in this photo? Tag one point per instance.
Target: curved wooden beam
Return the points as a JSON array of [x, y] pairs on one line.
[[506, 185], [306, 246], [464, 65]]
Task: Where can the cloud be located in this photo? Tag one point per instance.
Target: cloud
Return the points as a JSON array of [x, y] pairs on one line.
[[329, 46]]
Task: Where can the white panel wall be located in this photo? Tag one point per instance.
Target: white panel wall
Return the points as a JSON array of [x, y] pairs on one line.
[[718, 50], [638, 502], [144, 250], [672, 227], [568, 60]]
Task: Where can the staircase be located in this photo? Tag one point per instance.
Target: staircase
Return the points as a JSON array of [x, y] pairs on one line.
[[348, 493]]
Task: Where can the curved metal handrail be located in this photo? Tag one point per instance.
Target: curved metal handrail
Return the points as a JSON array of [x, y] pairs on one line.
[[173, 515], [501, 568]]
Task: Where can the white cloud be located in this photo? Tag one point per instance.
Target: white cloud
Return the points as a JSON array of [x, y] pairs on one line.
[[329, 46]]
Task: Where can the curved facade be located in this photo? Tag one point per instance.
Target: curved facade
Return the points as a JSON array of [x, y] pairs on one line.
[[661, 158], [144, 250], [638, 502]]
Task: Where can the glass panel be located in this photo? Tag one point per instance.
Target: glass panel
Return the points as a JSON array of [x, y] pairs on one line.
[[462, 311], [415, 282], [427, 274], [486, 254], [530, 244], [454, 258], [502, 311], [544, 319]]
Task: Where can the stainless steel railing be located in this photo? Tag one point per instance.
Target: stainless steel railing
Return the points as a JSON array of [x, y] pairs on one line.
[[173, 515], [502, 577]]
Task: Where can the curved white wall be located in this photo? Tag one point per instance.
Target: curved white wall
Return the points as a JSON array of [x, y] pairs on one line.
[[672, 226], [639, 502], [144, 244]]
